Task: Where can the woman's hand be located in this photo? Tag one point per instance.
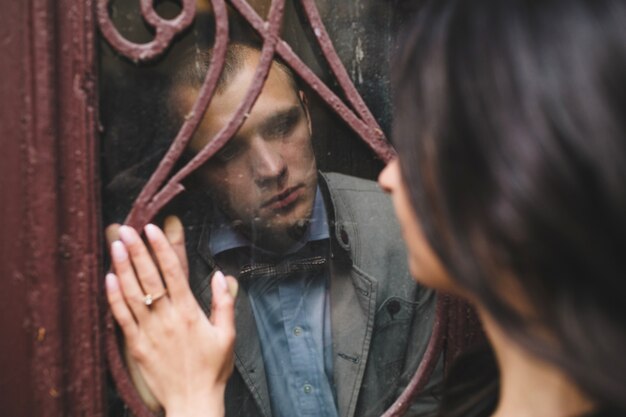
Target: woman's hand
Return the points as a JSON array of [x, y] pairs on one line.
[[184, 357]]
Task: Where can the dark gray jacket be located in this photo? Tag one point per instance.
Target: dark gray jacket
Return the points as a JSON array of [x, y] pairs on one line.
[[381, 319]]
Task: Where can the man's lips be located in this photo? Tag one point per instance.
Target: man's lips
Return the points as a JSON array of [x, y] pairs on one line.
[[283, 199]]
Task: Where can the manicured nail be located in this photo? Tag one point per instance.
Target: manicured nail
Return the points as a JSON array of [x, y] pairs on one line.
[[127, 234], [221, 279], [118, 251], [111, 282], [152, 232]]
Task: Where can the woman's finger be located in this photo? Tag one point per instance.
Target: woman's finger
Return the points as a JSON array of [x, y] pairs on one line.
[[173, 273], [148, 273], [111, 233], [131, 290], [120, 309], [174, 231], [223, 304]]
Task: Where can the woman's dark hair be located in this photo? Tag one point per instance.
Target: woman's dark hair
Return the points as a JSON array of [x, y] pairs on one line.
[[510, 123]]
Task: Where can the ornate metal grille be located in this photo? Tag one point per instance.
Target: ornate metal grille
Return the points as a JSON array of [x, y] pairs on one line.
[[159, 190]]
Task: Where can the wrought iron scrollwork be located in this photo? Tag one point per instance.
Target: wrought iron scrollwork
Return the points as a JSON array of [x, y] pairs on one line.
[[152, 198], [165, 29], [159, 190]]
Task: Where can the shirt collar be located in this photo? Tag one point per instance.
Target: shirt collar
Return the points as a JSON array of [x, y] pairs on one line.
[[224, 237]]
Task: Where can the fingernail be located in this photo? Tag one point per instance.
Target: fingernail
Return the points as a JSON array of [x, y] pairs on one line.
[[127, 234], [118, 251], [233, 287], [221, 279], [173, 228], [111, 282], [152, 232], [172, 221], [111, 233]]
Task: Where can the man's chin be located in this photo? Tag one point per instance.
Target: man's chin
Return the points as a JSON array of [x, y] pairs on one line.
[[278, 237]]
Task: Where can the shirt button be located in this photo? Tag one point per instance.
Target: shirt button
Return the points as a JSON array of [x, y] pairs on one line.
[[297, 331], [307, 388]]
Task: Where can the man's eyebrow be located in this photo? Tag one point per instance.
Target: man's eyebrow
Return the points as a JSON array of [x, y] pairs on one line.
[[280, 117]]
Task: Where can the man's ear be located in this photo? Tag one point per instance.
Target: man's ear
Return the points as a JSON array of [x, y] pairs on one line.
[[305, 106]]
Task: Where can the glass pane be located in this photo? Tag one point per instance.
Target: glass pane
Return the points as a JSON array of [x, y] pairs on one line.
[[329, 321]]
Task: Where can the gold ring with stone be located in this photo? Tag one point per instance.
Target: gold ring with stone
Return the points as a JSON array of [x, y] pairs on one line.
[[149, 299]]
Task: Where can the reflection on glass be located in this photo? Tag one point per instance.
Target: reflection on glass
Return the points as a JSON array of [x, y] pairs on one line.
[[329, 322]]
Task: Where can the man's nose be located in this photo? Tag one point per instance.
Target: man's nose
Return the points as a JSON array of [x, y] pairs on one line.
[[268, 163]]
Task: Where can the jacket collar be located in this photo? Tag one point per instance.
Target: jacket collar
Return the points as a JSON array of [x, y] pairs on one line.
[[342, 228]]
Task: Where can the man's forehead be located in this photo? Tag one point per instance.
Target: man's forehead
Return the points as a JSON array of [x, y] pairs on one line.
[[277, 93], [277, 82], [268, 110], [277, 77], [252, 58]]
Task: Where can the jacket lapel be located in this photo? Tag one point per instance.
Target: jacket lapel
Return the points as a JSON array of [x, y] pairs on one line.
[[248, 355], [353, 298], [353, 303]]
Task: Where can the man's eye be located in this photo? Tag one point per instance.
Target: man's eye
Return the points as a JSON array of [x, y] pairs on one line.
[[228, 152], [285, 127]]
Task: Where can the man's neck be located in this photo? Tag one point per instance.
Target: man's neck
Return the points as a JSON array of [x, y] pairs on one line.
[[276, 245], [529, 386]]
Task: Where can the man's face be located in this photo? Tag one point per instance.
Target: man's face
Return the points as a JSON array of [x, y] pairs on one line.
[[265, 177]]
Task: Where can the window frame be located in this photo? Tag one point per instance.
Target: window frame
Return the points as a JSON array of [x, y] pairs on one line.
[[53, 307]]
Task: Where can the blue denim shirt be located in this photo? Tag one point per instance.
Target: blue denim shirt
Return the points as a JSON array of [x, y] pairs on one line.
[[293, 322]]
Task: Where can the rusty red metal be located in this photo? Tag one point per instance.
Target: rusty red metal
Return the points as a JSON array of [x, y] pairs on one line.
[[428, 363], [145, 205], [52, 267], [165, 29], [375, 138], [142, 213], [139, 214], [464, 330], [371, 134], [151, 199], [143, 209], [456, 329], [16, 343]]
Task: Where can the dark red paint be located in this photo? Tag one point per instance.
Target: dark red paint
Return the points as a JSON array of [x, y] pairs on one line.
[[51, 342], [165, 29]]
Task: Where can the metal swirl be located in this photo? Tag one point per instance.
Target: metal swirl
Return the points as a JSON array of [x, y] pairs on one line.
[[165, 29]]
